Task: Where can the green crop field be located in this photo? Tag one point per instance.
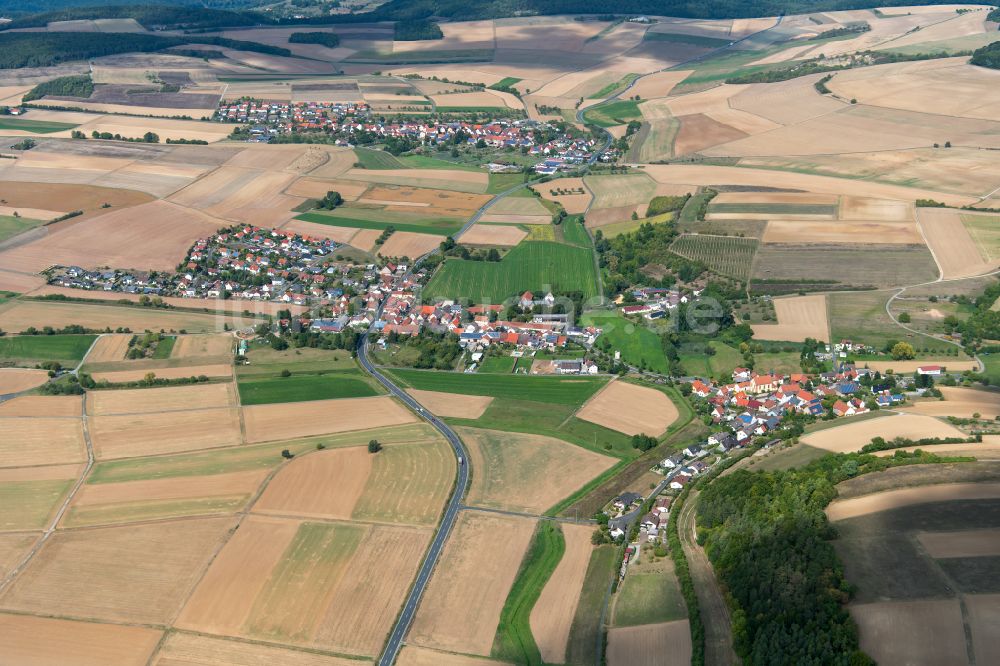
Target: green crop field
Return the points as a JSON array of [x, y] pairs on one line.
[[27, 505], [46, 347], [648, 598], [583, 634], [775, 208], [164, 348], [612, 88], [34, 126], [502, 364], [574, 233], [639, 345], [500, 182], [514, 641], [302, 388], [531, 266], [552, 389], [377, 159], [505, 82], [678, 38], [11, 226], [346, 217], [726, 255], [615, 113], [719, 365]]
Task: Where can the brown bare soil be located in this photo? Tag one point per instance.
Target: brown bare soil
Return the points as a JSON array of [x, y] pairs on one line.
[[432, 202], [493, 234], [325, 484], [40, 441], [19, 283], [698, 131], [411, 655], [192, 650], [799, 317], [409, 244], [34, 641], [144, 434], [215, 370], [43, 405], [961, 402], [109, 348], [222, 602], [528, 473], [984, 617], [306, 419], [461, 607], [815, 231], [553, 613], [630, 409], [106, 503], [15, 380], [316, 188], [154, 235], [956, 253], [664, 644], [96, 573], [893, 499], [881, 210], [970, 543], [851, 436], [911, 632], [452, 405]]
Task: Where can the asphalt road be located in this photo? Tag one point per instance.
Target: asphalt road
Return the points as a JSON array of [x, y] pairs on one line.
[[405, 618]]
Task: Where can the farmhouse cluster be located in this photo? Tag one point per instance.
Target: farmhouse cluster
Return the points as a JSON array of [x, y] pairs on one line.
[[654, 303]]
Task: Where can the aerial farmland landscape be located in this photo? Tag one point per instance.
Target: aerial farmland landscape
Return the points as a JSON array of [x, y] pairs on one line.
[[511, 332]]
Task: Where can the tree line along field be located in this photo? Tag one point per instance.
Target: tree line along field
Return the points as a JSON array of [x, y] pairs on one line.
[[726, 255], [531, 266]]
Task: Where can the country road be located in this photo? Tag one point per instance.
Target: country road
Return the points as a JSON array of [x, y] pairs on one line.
[[405, 618]]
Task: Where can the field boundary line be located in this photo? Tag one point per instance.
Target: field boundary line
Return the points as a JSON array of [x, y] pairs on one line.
[[43, 539]]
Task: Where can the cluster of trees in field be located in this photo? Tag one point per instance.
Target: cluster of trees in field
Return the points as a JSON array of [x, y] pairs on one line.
[[988, 56], [439, 351], [41, 49], [983, 323], [64, 86], [769, 541], [327, 39], [624, 256]]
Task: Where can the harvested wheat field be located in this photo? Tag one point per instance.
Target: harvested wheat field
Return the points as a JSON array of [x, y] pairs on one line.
[[799, 317], [882, 210], [699, 131], [266, 423], [508, 218], [19, 283], [130, 501], [342, 235], [411, 655], [894, 499], [630, 409], [911, 632], [41, 441], [967, 543], [70, 406], [960, 402], [316, 188], [116, 376], [527, 473], [852, 436], [37, 641], [814, 231], [325, 484], [552, 616], [364, 239], [452, 405], [109, 348], [308, 584], [439, 179], [165, 128], [154, 236], [807, 198], [664, 644], [461, 607], [193, 650], [493, 234], [409, 244], [202, 346], [907, 367], [444, 203], [13, 548], [566, 192], [167, 399], [956, 253], [152, 433], [15, 380], [96, 573], [20, 315], [988, 449]]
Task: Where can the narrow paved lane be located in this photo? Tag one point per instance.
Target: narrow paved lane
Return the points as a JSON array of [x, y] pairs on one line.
[[405, 618]]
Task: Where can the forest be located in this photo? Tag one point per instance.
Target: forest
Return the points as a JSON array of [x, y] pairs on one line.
[[65, 86], [41, 49], [988, 56], [150, 16], [327, 39]]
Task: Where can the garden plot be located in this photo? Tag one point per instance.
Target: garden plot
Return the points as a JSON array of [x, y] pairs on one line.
[[461, 607], [527, 473], [630, 409], [799, 317], [95, 573]]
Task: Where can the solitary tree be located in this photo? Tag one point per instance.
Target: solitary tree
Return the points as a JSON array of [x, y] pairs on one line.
[[374, 446]]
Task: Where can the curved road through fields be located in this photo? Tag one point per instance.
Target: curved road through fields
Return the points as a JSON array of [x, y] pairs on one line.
[[405, 618]]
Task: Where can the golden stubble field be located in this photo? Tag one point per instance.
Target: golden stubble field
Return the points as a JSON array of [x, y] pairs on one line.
[[630, 409]]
